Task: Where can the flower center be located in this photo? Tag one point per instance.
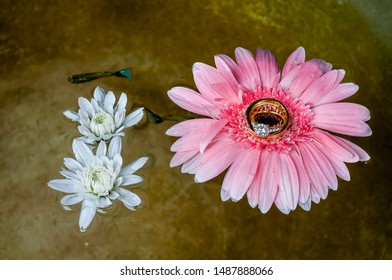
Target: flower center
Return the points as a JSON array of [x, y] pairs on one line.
[[267, 117], [99, 180], [102, 123]]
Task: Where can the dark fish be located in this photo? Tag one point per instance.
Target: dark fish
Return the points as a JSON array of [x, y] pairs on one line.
[[87, 77], [155, 119]]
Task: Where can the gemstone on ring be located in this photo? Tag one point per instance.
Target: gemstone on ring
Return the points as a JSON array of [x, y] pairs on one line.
[[261, 129], [267, 118]]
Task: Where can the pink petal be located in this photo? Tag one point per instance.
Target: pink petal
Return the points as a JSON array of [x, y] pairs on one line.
[[325, 166], [315, 197], [340, 167], [303, 180], [335, 147], [182, 156], [345, 118], [224, 195], [241, 174], [192, 101], [216, 158], [234, 68], [268, 183], [248, 65], [288, 181], [255, 186], [324, 66], [318, 169], [351, 128], [225, 71], [187, 126], [342, 91], [281, 202], [363, 156], [189, 141], [203, 86], [295, 59], [308, 72], [306, 205], [286, 82], [320, 87], [211, 133], [212, 85], [192, 165], [342, 111], [268, 68]]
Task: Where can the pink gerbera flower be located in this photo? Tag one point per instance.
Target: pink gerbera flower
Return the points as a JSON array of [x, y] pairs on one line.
[[269, 128]]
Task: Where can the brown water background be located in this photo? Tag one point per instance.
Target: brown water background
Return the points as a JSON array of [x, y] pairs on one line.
[[43, 42]]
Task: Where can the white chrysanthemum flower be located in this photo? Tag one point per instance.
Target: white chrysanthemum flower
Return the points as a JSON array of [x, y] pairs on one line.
[[96, 180], [100, 120]]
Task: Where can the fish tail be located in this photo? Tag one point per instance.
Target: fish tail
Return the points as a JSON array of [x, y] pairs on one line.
[[124, 73]]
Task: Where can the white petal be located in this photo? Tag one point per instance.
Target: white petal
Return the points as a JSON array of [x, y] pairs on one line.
[[119, 118], [103, 202], [122, 102], [117, 132], [82, 152], [99, 94], [69, 175], [85, 121], [106, 162], [85, 105], [71, 115], [133, 118], [85, 131], [71, 199], [72, 164], [117, 163], [96, 105], [84, 115], [107, 137], [87, 214], [88, 140], [64, 185], [131, 179], [118, 182], [134, 166], [101, 150], [115, 147], [113, 195], [128, 197], [109, 102]]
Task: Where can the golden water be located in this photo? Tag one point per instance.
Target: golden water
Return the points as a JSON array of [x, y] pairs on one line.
[[41, 44]]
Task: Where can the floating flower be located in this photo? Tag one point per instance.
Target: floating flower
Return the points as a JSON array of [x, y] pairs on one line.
[[96, 180], [270, 129], [100, 119]]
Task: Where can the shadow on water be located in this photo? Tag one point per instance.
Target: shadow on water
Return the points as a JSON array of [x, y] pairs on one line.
[[41, 45]]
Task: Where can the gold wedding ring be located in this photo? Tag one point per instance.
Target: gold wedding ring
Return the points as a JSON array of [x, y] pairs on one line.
[[267, 118]]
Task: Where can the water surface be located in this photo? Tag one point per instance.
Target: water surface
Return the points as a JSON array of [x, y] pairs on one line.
[[41, 44]]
